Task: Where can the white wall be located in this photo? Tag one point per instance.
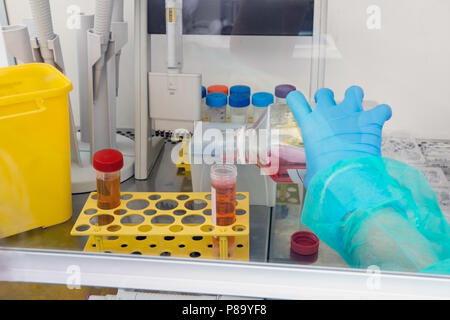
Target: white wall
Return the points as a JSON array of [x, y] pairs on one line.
[[406, 63], [19, 9]]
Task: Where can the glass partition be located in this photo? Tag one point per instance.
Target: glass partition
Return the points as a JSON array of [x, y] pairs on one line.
[[399, 58]]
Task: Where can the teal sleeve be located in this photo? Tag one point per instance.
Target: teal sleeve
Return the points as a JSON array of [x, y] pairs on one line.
[[378, 211]]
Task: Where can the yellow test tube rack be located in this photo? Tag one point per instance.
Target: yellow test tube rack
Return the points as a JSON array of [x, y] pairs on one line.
[[164, 224]]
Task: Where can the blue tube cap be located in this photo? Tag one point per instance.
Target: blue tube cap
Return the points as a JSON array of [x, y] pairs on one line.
[[262, 99], [216, 100], [203, 92], [240, 89], [239, 100]]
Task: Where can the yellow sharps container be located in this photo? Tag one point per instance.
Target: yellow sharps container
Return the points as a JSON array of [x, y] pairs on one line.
[[35, 184]]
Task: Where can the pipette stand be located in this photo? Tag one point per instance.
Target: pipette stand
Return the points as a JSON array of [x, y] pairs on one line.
[[102, 112]]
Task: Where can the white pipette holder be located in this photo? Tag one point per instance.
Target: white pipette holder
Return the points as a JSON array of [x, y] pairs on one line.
[[101, 108]]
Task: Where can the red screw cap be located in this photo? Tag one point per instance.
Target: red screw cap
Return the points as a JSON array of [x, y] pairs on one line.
[[305, 243], [108, 160]]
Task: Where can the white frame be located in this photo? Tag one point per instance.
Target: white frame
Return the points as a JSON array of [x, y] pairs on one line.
[[257, 280]]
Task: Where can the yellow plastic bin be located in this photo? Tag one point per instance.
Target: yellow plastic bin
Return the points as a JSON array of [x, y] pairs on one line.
[[35, 184]]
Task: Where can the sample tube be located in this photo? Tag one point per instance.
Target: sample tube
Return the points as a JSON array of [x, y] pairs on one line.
[[239, 104], [108, 163], [220, 88], [223, 199], [261, 101], [246, 91], [217, 107]]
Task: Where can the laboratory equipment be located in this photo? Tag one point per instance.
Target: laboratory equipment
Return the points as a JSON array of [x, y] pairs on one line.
[[164, 224], [280, 108], [217, 107], [305, 243], [223, 194], [223, 202], [242, 90], [333, 134], [175, 97], [34, 161], [108, 163], [239, 105], [101, 38], [220, 88], [260, 101]]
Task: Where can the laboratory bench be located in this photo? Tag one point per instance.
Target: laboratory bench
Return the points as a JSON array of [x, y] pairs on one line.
[[270, 228], [271, 258]]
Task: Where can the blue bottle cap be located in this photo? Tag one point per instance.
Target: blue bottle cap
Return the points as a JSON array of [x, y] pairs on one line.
[[239, 100], [203, 92], [262, 99], [216, 100], [240, 89]]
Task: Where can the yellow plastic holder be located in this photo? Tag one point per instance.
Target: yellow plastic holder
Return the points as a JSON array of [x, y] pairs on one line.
[[35, 184], [183, 162], [166, 224]]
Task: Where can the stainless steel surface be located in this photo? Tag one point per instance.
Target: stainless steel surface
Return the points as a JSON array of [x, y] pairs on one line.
[[162, 178]]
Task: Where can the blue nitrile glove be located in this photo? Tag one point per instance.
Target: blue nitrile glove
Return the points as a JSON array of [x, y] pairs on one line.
[[337, 132]]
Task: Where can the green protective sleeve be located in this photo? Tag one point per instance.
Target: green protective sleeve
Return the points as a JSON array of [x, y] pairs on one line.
[[378, 211]]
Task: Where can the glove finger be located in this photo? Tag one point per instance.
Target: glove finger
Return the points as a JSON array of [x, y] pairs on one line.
[[325, 97], [299, 106], [378, 115], [354, 97]]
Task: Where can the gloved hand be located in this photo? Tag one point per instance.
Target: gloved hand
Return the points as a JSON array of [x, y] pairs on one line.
[[337, 132]]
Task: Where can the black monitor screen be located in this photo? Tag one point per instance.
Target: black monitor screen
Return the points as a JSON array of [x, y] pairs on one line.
[[238, 17]]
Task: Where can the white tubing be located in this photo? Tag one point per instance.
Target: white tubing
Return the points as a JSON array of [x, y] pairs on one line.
[[42, 16], [102, 21]]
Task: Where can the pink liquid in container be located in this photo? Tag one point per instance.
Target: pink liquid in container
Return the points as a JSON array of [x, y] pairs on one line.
[[223, 199]]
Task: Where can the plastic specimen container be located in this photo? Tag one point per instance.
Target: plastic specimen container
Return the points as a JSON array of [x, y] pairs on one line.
[[217, 107], [108, 163], [243, 90], [35, 184], [261, 101], [239, 105], [223, 202], [223, 194], [283, 119]]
